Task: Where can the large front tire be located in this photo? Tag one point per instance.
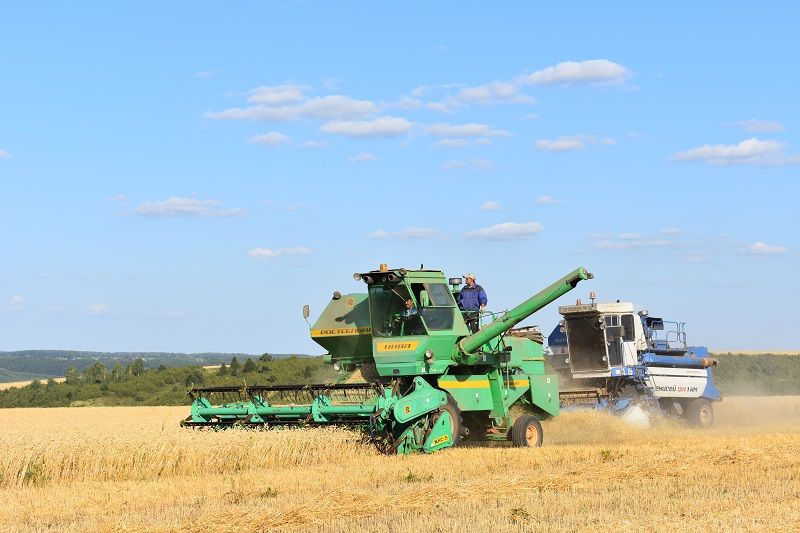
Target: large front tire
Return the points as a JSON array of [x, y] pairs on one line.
[[455, 419], [700, 414], [527, 432]]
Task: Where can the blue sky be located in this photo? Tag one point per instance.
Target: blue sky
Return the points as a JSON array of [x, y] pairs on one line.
[[185, 176]]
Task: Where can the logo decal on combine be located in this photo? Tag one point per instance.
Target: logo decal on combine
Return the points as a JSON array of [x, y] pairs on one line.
[[440, 440], [337, 332], [407, 409], [350, 302], [397, 346]]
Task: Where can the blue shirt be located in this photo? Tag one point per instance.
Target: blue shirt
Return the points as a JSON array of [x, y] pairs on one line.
[[472, 298]]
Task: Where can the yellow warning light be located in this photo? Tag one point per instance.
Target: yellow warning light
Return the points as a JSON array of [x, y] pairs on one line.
[[384, 267]]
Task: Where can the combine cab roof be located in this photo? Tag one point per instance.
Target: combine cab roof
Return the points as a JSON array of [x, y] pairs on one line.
[[394, 275], [615, 307]]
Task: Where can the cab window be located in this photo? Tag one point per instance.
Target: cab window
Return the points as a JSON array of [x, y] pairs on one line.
[[388, 313], [436, 305]]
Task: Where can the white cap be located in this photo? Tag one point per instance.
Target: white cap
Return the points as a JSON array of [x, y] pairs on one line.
[[471, 275]]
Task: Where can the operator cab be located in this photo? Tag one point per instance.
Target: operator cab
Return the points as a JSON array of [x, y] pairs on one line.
[[601, 336], [414, 321], [399, 309]]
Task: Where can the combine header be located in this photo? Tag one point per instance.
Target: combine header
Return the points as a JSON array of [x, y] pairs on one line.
[[436, 381]]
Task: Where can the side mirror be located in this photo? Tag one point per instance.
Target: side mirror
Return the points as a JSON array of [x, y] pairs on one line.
[[306, 311]]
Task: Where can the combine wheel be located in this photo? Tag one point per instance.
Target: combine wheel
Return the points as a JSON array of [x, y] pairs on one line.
[[455, 418], [527, 432], [699, 413]]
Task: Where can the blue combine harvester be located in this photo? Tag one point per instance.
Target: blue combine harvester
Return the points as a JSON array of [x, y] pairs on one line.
[[632, 363]]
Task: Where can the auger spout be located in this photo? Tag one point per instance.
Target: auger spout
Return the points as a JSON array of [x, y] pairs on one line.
[[511, 318]]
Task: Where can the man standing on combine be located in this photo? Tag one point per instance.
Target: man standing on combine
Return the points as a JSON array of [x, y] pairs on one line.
[[472, 298]]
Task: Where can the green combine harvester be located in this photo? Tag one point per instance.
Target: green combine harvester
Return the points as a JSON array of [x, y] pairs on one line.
[[437, 382]]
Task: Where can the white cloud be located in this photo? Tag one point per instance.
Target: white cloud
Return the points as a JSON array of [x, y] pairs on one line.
[[337, 107], [547, 199], [697, 258], [272, 139], [331, 83], [559, 145], [118, 198], [452, 143], [313, 144], [761, 248], [493, 93], [379, 127], [407, 233], [481, 164], [277, 94], [632, 241], [440, 107], [759, 126], [256, 113], [572, 142], [750, 151], [594, 71], [453, 164], [490, 206], [205, 73], [477, 164], [506, 230], [364, 156], [176, 206], [5, 155], [670, 231], [465, 130], [282, 103], [408, 102], [16, 302], [271, 253], [98, 310]]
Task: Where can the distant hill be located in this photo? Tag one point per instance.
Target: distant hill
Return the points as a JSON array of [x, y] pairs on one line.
[[41, 364], [10, 375]]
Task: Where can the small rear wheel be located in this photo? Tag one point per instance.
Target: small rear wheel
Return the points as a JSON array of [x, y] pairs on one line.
[[527, 432], [700, 414]]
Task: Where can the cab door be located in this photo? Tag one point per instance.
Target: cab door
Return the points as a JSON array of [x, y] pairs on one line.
[[613, 335]]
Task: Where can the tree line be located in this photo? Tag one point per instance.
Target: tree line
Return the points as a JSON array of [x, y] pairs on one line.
[[133, 384]]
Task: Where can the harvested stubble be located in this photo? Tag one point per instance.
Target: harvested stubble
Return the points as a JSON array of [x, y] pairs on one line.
[[106, 469]]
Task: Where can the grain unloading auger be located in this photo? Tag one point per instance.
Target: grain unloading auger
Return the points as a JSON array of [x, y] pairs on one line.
[[437, 382]]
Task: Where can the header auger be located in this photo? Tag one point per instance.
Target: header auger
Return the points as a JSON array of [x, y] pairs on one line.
[[437, 382]]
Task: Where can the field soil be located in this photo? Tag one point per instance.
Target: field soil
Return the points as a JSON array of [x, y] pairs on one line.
[[134, 469], [19, 384]]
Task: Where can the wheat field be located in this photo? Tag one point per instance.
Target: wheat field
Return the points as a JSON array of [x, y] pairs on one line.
[[134, 469]]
